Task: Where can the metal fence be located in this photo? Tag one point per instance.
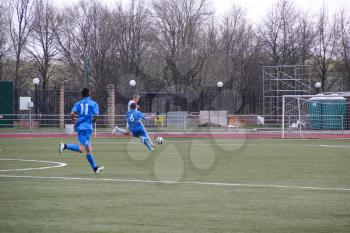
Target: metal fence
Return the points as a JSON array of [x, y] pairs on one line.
[[71, 97], [27, 122], [47, 101], [175, 122]]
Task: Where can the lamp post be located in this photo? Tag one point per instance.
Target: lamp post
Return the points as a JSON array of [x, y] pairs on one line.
[[219, 84], [132, 84], [36, 82], [318, 87], [86, 68]]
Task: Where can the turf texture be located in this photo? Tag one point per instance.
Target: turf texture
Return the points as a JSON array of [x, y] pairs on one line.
[[185, 185]]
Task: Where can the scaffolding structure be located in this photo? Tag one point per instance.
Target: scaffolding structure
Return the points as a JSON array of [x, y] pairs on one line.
[[284, 80]]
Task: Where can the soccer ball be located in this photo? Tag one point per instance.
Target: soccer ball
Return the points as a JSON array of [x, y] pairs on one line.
[[160, 140]]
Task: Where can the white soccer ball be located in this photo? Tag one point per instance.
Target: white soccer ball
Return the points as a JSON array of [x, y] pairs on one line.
[[160, 140]]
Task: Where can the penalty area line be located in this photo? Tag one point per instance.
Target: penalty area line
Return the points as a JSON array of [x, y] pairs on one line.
[[217, 184]]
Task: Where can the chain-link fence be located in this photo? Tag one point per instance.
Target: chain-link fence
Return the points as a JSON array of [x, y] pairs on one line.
[[210, 99], [171, 121]]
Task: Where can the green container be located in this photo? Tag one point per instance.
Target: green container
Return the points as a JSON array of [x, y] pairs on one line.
[[315, 110], [334, 114], [327, 112], [6, 103]]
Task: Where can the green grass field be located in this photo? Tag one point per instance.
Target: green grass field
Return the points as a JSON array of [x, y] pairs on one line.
[[218, 186]]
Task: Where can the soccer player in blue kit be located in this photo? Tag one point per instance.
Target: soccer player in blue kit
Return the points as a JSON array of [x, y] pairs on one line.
[[136, 127], [87, 111]]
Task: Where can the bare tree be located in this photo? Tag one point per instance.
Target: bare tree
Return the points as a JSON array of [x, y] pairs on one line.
[[304, 40], [20, 24], [278, 32], [132, 36], [72, 33], [344, 46], [41, 46], [324, 51], [88, 27], [240, 50], [214, 62], [233, 28], [100, 45], [179, 27], [170, 45], [4, 46]]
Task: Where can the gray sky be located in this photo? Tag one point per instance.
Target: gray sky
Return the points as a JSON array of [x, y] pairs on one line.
[[255, 9]]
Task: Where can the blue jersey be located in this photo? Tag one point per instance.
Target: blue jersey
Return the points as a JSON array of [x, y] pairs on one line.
[[86, 109], [134, 118]]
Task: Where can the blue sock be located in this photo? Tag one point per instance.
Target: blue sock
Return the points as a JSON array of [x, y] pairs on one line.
[[147, 143], [148, 137], [92, 162], [73, 147]]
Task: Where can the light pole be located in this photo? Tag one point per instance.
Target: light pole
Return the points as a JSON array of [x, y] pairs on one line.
[[36, 82], [318, 87], [132, 84], [219, 84], [86, 68]]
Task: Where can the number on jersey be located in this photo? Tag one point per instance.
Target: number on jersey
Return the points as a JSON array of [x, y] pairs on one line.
[[84, 109]]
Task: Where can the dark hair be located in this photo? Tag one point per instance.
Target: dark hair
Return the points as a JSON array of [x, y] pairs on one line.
[[85, 92], [133, 106]]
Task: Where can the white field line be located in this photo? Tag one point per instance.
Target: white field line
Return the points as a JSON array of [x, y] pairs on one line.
[[336, 146], [192, 143], [218, 184], [199, 143], [58, 164], [246, 139]]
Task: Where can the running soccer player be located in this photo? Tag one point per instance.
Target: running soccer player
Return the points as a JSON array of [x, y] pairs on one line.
[[87, 111], [136, 127]]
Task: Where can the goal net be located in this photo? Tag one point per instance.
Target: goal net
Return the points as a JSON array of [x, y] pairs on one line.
[[315, 116]]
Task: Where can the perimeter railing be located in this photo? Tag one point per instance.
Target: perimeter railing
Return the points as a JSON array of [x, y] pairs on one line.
[[49, 123], [37, 123]]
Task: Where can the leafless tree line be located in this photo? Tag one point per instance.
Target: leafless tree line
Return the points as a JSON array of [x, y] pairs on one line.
[[168, 45]]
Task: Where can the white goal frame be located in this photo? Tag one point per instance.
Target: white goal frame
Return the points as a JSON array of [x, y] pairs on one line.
[[299, 116]]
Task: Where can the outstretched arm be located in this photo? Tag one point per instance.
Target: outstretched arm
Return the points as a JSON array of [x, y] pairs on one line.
[[72, 115], [94, 118], [96, 112]]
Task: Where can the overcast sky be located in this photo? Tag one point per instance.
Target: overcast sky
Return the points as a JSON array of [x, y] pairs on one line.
[[255, 9]]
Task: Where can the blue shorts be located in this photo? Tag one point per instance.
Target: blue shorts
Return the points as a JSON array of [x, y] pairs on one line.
[[84, 137], [138, 132]]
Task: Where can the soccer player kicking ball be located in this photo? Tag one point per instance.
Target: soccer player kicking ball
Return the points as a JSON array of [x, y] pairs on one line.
[[136, 127], [135, 99], [87, 111], [126, 131]]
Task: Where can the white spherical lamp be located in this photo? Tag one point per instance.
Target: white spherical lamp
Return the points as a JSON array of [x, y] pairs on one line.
[[132, 83], [36, 81], [219, 84], [318, 85]]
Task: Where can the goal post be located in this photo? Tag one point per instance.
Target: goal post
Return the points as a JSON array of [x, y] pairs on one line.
[[315, 116]]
